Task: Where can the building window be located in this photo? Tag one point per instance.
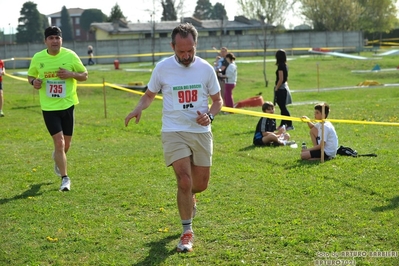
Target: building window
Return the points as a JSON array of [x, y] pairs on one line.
[[163, 35], [225, 32], [212, 33], [238, 32], [77, 32], [77, 21], [147, 35], [58, 22]]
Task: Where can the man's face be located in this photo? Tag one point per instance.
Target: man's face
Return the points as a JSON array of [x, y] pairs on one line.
[[53, 43], [184, 49], [223, 52]]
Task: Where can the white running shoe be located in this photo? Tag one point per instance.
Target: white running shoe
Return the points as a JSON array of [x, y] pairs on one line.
[[186, 242], [289, 143], [56, 169], [65, 184]]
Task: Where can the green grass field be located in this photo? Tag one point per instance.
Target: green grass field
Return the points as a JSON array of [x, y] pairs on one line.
[[264, 206]]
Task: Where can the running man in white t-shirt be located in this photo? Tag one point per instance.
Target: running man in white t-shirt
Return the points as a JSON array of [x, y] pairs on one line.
[[186, 82]]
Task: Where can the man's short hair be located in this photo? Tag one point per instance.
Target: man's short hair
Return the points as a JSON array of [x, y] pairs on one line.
[[52, 30], [184, 30]]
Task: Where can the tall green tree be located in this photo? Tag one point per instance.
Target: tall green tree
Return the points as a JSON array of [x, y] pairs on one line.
[[378, 15], [30, 24], [169, 11], [219, 12], [324, 16], [89, 16], [116, 14], [270, 11], [203, 10], [66, 26], [349, 15], [45, 23]]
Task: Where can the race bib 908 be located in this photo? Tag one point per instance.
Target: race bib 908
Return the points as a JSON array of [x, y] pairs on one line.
[[187, 97]]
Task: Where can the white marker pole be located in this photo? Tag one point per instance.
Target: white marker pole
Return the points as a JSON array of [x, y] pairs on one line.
[[322, 132]]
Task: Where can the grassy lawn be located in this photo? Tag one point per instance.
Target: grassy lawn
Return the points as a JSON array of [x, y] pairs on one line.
[[264, 206]]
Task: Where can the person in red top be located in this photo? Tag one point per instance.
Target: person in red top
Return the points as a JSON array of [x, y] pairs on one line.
[[2, 72]]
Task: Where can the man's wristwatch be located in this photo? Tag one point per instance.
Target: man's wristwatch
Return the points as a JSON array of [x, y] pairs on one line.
[[211, 117]]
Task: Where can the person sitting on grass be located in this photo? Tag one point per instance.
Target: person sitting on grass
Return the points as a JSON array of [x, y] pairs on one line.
[[330, 136], [266, 133]]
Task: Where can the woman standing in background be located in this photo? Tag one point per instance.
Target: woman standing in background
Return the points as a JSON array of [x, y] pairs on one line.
[[282, 94], [90, 52], [230, 80]]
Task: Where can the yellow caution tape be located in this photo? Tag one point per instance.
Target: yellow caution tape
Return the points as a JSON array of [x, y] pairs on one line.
[[239, 111]]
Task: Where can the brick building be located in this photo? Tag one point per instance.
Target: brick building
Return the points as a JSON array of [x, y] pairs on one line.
[[75, 14]]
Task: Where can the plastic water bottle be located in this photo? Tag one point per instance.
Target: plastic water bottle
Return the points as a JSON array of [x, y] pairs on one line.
[[304, 146]]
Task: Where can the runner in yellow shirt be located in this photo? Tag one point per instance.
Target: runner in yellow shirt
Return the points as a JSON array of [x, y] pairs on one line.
[[55, 71]]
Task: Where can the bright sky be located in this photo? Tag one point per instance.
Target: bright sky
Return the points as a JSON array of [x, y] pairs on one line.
[[134, 10]]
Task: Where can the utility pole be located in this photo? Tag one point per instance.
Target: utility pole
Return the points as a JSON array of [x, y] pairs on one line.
[[9, 25], [153, 37]]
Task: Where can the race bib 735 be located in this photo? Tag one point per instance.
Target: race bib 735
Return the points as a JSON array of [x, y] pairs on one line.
[[56, 88]]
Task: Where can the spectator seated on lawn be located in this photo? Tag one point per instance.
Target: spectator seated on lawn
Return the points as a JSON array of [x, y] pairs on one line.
[[266, 133]]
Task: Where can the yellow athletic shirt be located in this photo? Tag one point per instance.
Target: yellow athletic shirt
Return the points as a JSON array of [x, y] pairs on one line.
[[55, 93]]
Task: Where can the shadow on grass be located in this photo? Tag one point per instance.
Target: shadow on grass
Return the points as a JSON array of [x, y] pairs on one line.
[[253, 147], [394, 204], [31, 192], [246, 133], [158, 252], [361, 189], [248, 148], [25, 107], [302, 163]]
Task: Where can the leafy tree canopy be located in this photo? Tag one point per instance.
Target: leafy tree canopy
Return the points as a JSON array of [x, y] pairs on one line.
[[91, 15], [66, 26], [45, 23], [349, 15], [219, 12], [30, 24], [378, 15], [169, 11], [203, 10], [116, 14], [269, 11]]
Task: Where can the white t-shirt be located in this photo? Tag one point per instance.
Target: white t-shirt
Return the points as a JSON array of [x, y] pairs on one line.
[[231, 73], [185, 91], [330, 138]]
